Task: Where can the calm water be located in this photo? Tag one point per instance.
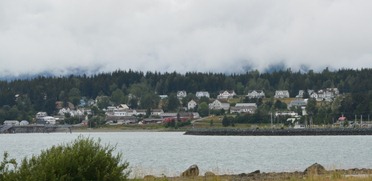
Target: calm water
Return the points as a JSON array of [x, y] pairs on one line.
[[170, 153]]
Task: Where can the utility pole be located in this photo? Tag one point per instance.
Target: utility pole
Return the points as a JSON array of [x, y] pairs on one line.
[[90, 121], [355, 118], [271, 115], [361, 120]]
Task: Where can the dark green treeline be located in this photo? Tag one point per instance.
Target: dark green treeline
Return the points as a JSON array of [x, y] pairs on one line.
[[41, 93]]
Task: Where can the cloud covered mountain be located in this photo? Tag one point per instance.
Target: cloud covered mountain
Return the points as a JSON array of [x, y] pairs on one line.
[[64, 37]]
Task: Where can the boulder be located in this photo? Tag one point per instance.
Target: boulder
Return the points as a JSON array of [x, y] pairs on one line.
[[209, 174], [315, 169], [254, 173], [149, 178], [192, 171]]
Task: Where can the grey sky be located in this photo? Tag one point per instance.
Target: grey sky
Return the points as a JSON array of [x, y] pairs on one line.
[[183, 35]]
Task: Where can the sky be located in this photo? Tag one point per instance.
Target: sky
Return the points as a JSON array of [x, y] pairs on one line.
[[183, 35]]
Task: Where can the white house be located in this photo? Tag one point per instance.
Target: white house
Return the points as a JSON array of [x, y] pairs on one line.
[[202, 94], [244, 108], [181, 94], [226, 94], [281, 94], [156, 112], [41, 114], [217, 105], [191, 104], [256, 94]]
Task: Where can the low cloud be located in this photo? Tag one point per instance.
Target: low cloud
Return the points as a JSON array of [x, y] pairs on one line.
[[167, 35]]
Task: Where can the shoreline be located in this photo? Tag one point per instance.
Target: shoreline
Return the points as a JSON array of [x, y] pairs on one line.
[[313, 172]]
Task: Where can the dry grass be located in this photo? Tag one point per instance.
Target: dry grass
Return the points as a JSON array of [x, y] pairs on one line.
[[331, 176]]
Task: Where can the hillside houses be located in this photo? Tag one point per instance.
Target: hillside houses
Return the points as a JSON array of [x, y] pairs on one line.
[[74, 113], [124, 114], [325, 94]]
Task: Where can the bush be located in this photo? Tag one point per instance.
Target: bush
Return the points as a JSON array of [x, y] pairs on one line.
[[7, 166], [83, 159]]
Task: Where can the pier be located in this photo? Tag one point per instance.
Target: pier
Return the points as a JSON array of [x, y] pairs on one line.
[[33, 128]]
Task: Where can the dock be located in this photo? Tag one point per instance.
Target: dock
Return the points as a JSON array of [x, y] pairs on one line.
[[33, 128], [281, 132]]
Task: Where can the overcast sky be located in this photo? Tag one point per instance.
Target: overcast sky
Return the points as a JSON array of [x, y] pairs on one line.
[[183, 35]]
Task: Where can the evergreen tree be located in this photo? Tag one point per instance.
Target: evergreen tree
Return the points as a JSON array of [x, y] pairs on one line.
[[173, 103], [225, 121], [203, 109]]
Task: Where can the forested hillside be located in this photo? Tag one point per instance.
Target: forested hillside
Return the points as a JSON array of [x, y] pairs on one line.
[[23, 98]]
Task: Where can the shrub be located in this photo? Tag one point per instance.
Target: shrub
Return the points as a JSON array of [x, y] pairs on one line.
[[7, 166], [83, 159]]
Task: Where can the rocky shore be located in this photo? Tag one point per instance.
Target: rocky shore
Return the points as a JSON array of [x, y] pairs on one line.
[[313, 172], [280, 132]]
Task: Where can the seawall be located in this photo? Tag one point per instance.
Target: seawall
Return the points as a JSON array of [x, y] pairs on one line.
[[280, 132], [34, 128]]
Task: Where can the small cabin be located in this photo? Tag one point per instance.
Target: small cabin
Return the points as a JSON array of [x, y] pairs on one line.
[[24, 122], [11, 123]]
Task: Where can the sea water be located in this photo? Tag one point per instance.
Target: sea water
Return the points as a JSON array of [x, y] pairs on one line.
[[170, 153]]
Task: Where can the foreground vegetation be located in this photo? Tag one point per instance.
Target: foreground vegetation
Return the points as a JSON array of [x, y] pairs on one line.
[[83, 159]]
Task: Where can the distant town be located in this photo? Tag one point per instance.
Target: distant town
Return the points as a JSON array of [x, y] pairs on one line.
[[138, 103]]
